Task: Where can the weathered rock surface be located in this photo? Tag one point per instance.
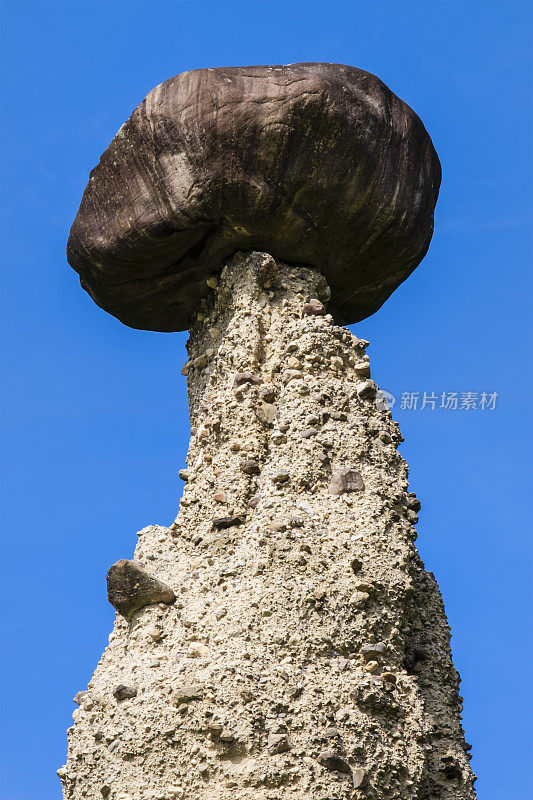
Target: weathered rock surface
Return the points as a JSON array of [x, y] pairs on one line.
[[130, 587], [307, 654], [318, 164]]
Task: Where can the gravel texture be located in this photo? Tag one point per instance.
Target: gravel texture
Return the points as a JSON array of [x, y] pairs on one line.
[[307, 653]]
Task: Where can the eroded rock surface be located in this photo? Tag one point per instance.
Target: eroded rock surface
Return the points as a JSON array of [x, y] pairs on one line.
[[307, 654], [318, 164]]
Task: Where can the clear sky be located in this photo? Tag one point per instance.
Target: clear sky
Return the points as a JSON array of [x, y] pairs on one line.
[[94, 415]]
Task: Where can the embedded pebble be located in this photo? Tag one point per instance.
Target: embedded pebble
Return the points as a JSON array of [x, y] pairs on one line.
[[332, 761], [314, 308], [188, 692], [278, 743], [250, 467], [122, 692], [367, 390], [346, 480], [228, 522], [280, 476], [245, 377], [266, 414]]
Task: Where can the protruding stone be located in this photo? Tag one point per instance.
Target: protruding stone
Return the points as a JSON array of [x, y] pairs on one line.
[[201, 361], [359, 599], [413, 502], [268, 393], [122, 692], [187, 693], [314, 308], [364, 586], [278, 743], [155, 634], [266, 414], [372, 652], [362, 368], [367, 390], [241, 378], [280, 527], [358, 776], [250, 466], [79, 697], [334, 762], [346, 480], [184, 474], [294, 363], [280, 476], [215, 728], [356, 565], [130, 587], [198, 650], [228, 522]]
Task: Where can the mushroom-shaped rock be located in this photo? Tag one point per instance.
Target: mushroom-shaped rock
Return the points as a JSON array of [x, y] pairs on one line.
[[130, 587], [316, 164]]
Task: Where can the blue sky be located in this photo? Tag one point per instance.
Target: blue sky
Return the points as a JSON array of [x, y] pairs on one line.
[[94, 417]]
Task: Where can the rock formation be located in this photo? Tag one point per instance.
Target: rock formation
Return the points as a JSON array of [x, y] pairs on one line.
[[281, 638], [317, 164]]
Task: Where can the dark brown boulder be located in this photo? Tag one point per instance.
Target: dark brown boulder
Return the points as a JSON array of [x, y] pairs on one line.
[[130, 587], [316, 164]]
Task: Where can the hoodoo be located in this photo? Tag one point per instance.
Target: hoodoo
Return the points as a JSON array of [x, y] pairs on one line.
[[281, 638]]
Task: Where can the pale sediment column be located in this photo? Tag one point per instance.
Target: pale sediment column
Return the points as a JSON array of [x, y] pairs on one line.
[[307, 652]]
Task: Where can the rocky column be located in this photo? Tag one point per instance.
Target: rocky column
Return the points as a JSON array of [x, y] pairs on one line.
[[306, 653]]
